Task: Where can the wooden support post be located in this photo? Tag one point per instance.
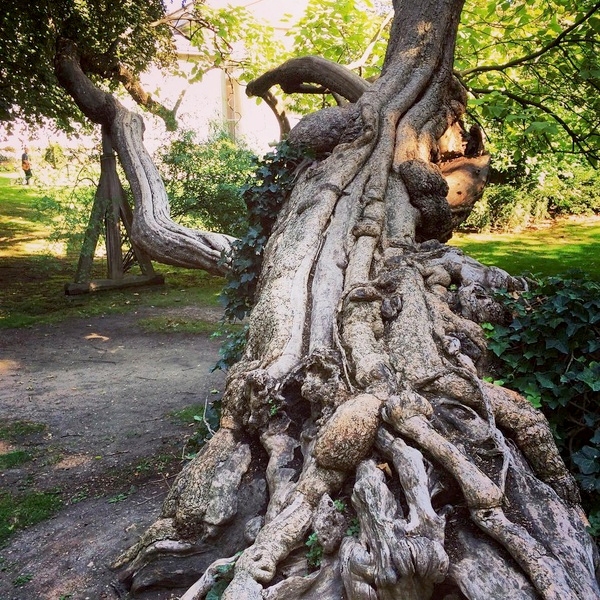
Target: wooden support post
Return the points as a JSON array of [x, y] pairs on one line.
[[143, 259], [110, 208]]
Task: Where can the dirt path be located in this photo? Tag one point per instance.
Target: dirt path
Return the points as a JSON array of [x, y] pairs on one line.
[[105, 391]]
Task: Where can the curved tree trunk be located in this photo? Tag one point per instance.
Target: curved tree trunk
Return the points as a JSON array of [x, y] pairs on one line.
[[362, 383], [153, 230]]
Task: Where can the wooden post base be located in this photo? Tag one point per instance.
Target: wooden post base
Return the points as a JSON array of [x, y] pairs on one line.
[[98, 285]]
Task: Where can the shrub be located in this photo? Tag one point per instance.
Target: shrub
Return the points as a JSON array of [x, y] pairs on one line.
[[203, 181], [572, 192], [550, 353], [67, 211], [547, 193], [506, 207]]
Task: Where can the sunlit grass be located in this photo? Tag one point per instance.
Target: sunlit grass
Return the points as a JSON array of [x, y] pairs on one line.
[[33, 273], [20, 233], [564, 246]]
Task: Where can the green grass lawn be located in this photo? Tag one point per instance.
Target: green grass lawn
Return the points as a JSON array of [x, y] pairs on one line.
[[20, 233], [560, 247], [33, 270]]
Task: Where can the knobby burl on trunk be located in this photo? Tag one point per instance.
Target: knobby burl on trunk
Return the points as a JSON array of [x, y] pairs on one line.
[[362, 382]]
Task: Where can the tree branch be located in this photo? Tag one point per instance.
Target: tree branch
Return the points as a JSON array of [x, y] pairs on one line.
[[529, 57], [294, 74], [153, 229], [104, 66], [282, 120], [134, 87], [365, 55]]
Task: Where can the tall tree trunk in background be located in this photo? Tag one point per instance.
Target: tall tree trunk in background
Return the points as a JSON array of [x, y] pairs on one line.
[[358, 419]]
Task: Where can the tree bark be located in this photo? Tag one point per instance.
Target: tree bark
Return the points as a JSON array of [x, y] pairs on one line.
[[358, 419]]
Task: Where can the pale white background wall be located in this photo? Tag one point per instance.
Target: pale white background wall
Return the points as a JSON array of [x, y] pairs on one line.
[[206, 101]]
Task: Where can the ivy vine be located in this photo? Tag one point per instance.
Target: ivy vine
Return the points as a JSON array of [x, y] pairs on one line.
[[271, 185], [550, 352]]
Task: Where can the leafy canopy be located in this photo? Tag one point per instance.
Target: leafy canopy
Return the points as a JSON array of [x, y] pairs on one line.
[[116, 41], [533, 71], [107, 34], [531, 67]]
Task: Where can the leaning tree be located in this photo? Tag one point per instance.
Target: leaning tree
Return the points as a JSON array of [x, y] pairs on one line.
[[360, 392], [358, 419]]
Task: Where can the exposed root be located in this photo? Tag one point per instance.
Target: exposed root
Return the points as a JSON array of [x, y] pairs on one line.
[[385, 558], [208, 579]]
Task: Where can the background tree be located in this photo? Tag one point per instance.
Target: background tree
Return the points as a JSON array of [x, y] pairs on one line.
[[99, 47], [532, 68], [115, 41]]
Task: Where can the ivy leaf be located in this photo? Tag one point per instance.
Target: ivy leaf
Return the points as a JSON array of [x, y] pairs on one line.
[[545, 380], [559, 344], [586, 460]]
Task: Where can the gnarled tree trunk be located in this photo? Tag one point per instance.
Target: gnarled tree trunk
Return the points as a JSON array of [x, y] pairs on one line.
[[358, 419]]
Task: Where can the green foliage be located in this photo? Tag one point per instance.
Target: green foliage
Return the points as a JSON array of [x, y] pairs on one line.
[[55, 156], [22, 579], [550, 352], [206, 418], [314, 554], [570, 191], [13, 459], [273, 181], [118, 498], [543, 191], [353, 528], [232, 37], [203, 181], [15, 430], [340, 505], [506, 208], [341, 31], [18, 512], [533, 72], [106, 33], [234, 343]]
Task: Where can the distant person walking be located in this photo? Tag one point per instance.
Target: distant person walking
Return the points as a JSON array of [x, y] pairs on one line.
[[26, 165]]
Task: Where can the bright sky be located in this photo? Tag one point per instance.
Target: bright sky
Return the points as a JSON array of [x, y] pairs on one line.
[[270, 10], [202, 100]]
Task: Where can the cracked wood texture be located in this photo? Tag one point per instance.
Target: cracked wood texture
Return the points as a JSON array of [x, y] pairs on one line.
[[358, 419]]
